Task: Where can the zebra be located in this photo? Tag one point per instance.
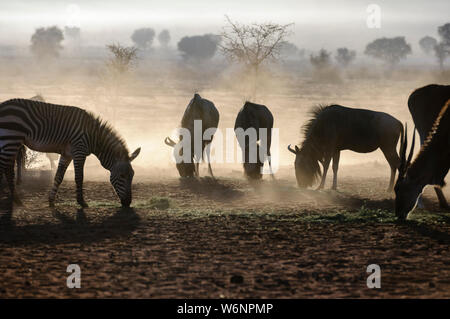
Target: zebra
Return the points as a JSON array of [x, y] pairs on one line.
[[69, 131]]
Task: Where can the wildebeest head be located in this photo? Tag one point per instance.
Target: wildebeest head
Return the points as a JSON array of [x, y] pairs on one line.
[[307, 168], [184, 169], [407, 188], [121, 178]]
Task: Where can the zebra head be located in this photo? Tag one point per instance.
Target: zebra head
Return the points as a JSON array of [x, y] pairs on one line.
[[121, 178]]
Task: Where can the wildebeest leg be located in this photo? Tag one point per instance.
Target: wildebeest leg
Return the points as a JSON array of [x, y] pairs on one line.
[[336, 157], [440, 195], [420, 204], [325, 165], [64, 162], [394, 161], [208, 158]]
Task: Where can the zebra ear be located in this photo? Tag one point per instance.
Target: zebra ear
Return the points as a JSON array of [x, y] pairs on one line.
[[135, 154]]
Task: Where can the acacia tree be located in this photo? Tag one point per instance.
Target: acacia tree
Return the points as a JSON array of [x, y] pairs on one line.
[[46, 42], [123, 58], [345, 56], [119, 64], [321, 60], [198, 48], [390, 50], [143, 38], [253, 44], [427, 44], [164, 38], [442, 49]]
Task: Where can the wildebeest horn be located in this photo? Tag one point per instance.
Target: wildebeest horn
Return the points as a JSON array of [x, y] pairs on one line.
[[403, 141], [291, 150], [411, 151], [169, 141]]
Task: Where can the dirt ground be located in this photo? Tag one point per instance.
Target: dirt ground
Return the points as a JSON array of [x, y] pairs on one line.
[[225, 239]]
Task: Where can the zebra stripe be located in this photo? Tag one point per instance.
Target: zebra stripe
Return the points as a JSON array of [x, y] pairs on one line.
[[69, 131]]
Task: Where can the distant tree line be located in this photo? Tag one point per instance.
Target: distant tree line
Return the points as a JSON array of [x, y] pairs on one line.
[[251, 45]]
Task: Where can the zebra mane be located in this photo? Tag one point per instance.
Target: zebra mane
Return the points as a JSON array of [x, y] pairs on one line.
[[106, 135]]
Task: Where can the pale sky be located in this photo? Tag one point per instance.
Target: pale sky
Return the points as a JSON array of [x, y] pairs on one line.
[[317, 24]]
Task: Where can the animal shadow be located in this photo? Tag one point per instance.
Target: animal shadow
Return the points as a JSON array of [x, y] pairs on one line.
[[70, 230], [211, 188]]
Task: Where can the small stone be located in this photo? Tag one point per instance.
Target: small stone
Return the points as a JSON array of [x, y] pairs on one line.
[[237, 279]]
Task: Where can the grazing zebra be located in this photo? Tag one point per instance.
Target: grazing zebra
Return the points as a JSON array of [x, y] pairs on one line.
[[69, 131]]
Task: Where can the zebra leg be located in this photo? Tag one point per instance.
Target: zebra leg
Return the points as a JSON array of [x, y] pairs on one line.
[[9, 173], [78, 163], [62, 167]]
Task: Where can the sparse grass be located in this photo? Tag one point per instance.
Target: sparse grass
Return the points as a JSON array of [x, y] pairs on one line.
[[92, 204], [156, 202], [361, 216]]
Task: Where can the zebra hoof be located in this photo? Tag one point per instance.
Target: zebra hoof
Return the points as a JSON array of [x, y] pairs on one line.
[[17, 201], [83, 204]]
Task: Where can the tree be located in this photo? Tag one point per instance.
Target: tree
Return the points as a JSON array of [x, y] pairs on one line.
[[321, 60], [143, 38], [345, 56], [72, 32], [441, 54], [427, 44], [288, 49], [442, 49], [444, 33], [164, 38], [123, 58], [198, 47], [46, 42], [390, 50], [253, 44]]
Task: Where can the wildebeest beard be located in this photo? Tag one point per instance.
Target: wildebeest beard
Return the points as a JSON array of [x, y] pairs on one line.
[[252, 170], [307, 168], [186, 169]]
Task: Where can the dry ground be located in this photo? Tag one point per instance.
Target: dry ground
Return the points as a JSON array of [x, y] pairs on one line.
[[225, 239]]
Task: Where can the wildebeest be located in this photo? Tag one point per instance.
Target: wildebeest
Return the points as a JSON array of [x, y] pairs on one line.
[[335, 128], [424, 105], [429, 167], [258, 117], [197, 109]]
